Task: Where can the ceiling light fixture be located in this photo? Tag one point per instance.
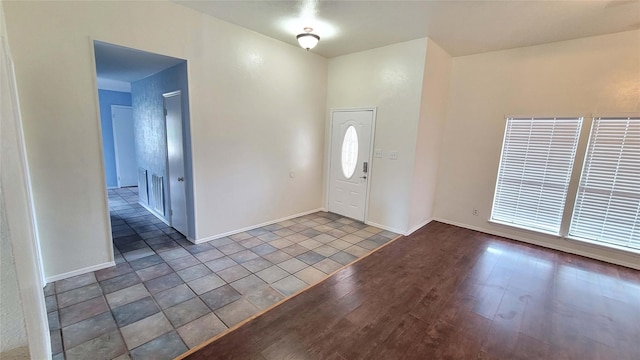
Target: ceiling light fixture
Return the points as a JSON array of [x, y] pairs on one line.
[[308, 40]]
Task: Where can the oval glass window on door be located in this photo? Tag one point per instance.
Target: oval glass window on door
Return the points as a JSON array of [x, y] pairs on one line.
[[349, 152]]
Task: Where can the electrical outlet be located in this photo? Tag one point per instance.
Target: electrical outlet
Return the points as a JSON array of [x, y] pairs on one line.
[[377, 153], [393, 155], [475, 212]]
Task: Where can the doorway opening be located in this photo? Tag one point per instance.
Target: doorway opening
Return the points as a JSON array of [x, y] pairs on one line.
[[138, 144]]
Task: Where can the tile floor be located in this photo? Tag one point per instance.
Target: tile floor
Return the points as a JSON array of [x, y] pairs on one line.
[[166, 295]]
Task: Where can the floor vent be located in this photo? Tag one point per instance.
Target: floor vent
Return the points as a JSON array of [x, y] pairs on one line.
[[143, 188], [157, 194]]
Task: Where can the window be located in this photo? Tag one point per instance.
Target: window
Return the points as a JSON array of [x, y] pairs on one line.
[[349, 152], [607, 207], [534, 173]]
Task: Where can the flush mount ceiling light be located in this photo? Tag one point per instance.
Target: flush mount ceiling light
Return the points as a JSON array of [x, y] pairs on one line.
[[308, 40]]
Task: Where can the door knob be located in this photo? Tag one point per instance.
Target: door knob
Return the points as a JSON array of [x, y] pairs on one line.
[[181, 178]]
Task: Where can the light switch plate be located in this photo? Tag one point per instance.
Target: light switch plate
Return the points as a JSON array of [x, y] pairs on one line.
[[377, 153], [393, 155]]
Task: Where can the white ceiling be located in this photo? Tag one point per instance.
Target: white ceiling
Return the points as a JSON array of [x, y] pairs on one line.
[[125, 64], [460, 27]]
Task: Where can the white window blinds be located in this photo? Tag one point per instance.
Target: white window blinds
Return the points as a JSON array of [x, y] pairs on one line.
[[607, 205], [535, 169]]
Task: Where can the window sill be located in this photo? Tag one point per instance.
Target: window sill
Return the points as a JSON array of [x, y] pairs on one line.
[[520, 227], [590, 243], [603, 245]]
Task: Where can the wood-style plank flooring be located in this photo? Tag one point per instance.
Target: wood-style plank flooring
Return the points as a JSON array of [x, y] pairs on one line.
[[450, 293]]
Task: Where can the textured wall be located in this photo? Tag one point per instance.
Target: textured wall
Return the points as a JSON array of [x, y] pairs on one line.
[[108, 98], [12, 331], [149, 127]]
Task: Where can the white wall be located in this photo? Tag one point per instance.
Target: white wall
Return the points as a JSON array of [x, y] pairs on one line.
[[389, 78], [433, 111], [22, 306], [597, 75], [257, 112]]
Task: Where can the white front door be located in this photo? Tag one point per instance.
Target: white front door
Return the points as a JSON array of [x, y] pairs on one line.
[[175, 162], [350, 162], [124, 145]]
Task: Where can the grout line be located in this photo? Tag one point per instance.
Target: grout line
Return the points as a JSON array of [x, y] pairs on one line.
[[256, 315]]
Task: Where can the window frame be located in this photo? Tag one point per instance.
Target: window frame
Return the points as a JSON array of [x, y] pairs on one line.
[[574, 183], [583, 164]]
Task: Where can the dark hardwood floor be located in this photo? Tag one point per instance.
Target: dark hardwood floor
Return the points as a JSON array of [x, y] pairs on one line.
[[450, 293]]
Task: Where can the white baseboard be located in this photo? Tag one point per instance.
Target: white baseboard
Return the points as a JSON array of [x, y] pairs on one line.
[[417, 227], [218, 236], [155, 213], [88, 269], [570, 250], [383, 227]]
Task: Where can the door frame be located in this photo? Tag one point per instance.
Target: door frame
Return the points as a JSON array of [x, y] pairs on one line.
[[115, 142], [370, 158]]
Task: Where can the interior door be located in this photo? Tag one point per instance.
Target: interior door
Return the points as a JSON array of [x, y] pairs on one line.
[[350, 162], [124, 145], [175, 162]]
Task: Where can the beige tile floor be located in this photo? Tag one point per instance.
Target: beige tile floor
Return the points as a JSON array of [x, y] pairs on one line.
[[166, 295]]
